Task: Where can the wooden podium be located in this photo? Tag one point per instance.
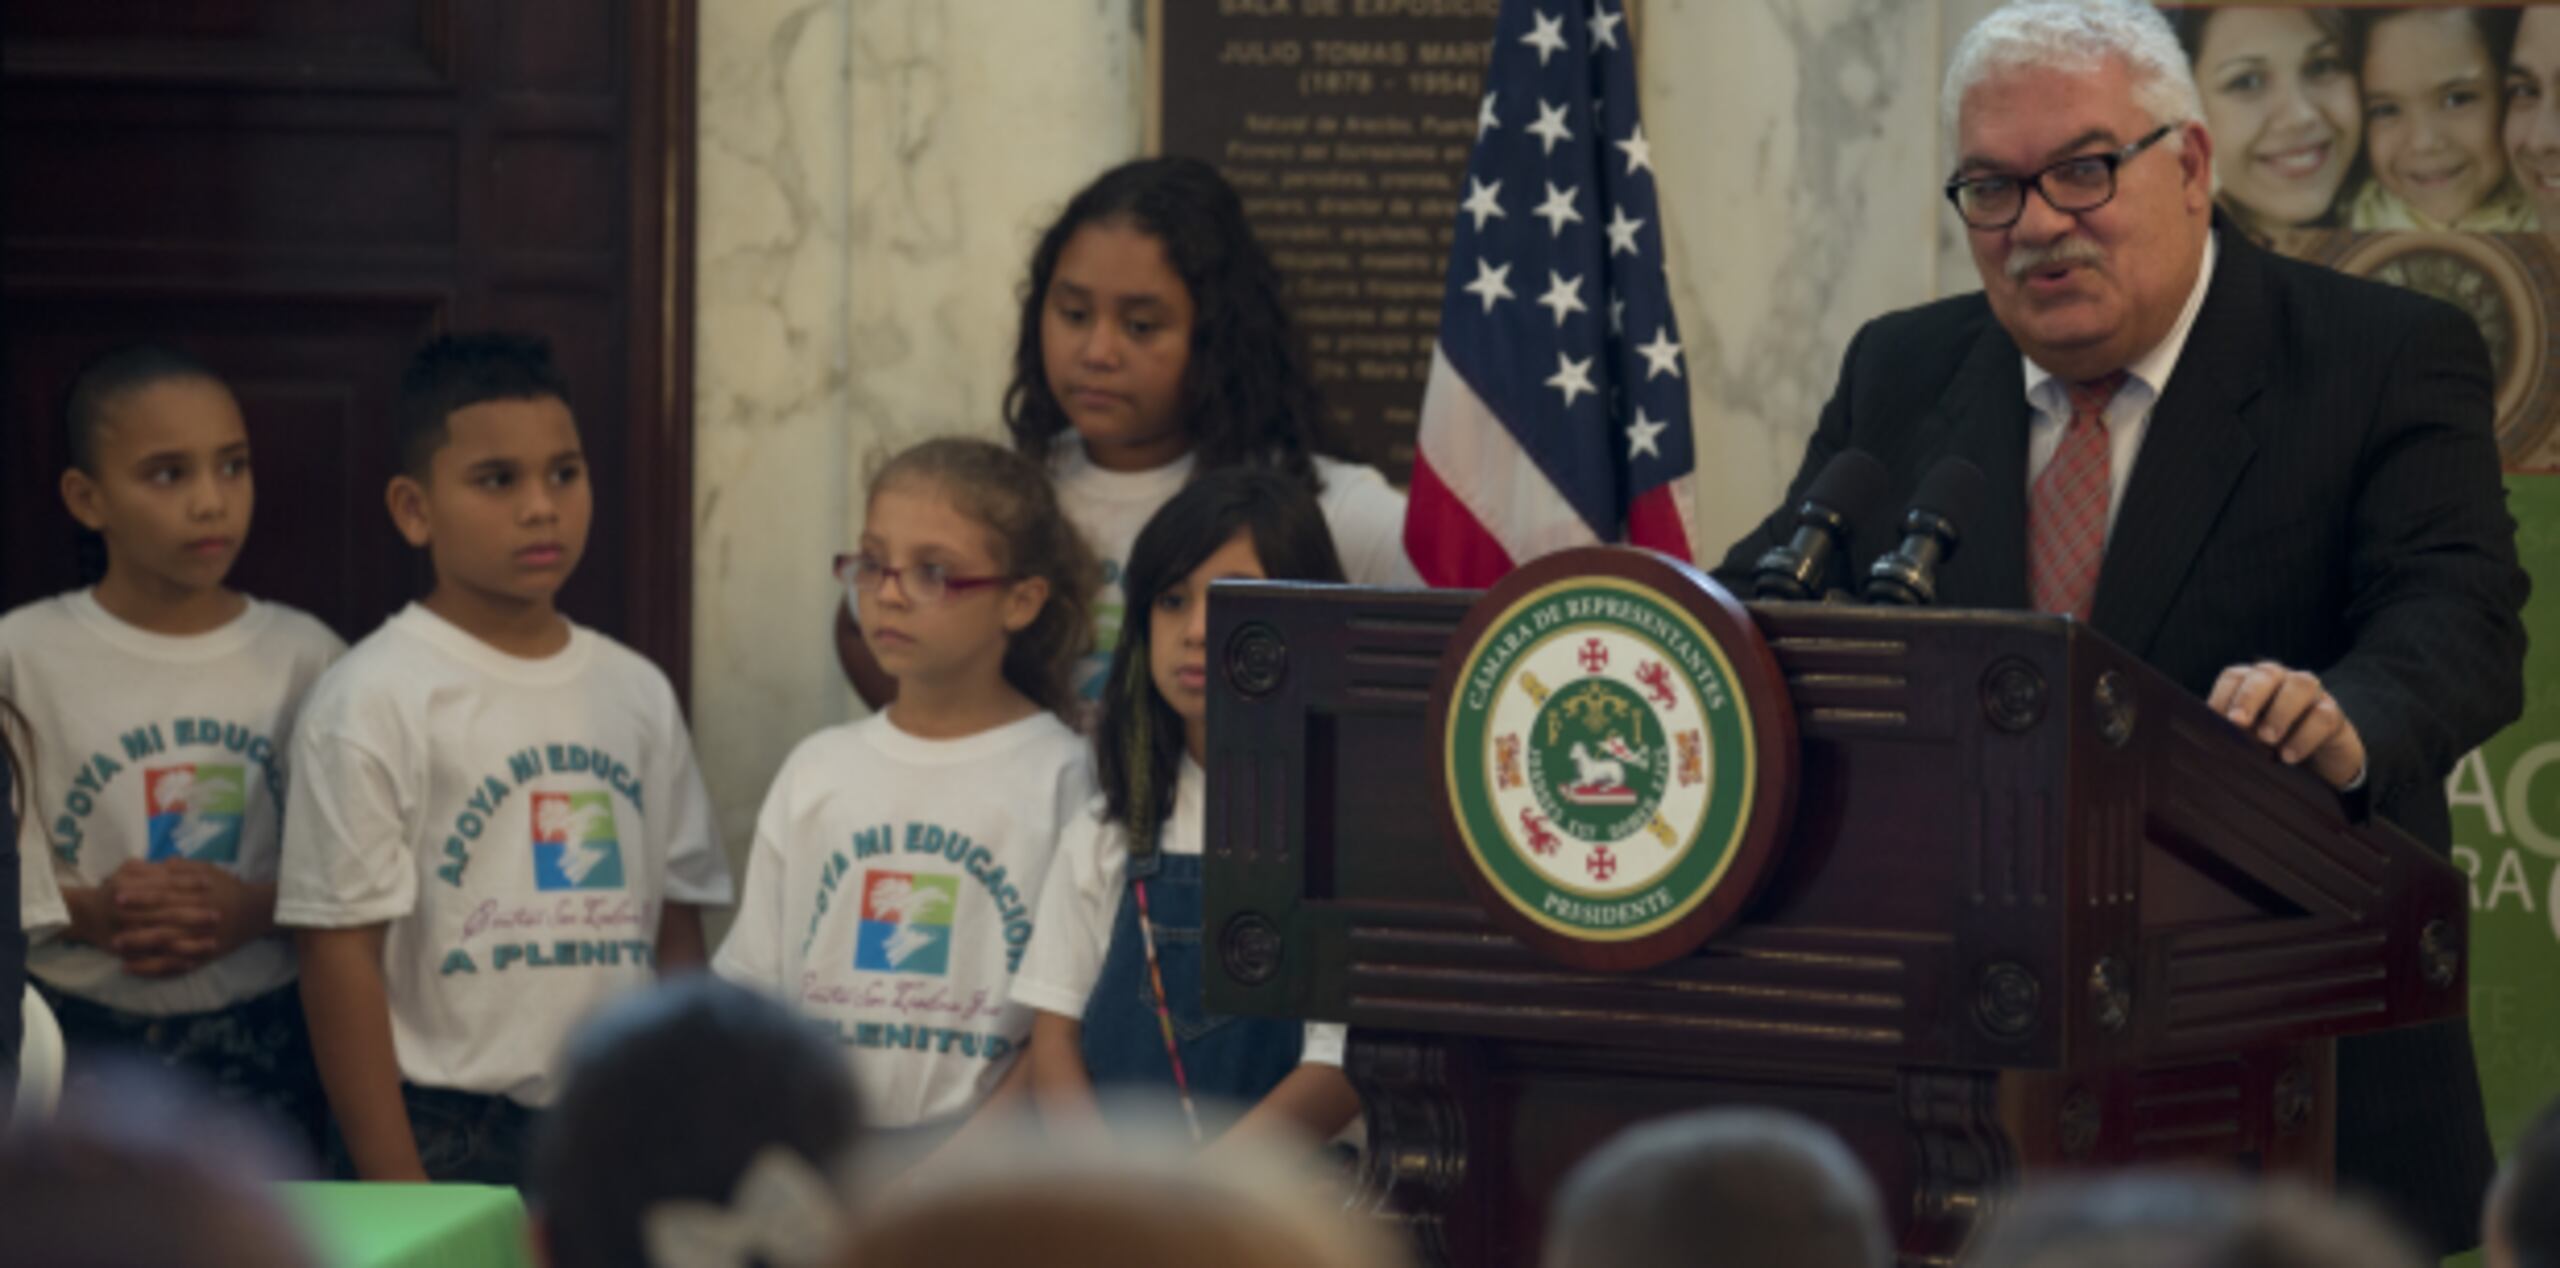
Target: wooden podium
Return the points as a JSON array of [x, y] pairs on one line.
[[2039, 908]]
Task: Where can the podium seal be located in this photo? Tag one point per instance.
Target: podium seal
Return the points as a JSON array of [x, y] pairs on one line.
[[1607, 756]]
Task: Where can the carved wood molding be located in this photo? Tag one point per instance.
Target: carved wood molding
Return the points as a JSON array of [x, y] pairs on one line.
[[1963, 1155], [1418, 1135]]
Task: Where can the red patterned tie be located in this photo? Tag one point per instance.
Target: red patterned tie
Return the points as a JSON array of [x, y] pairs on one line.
[[2067, 516]]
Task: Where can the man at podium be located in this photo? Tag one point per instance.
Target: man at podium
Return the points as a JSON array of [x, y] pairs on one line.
[[2277, 484]]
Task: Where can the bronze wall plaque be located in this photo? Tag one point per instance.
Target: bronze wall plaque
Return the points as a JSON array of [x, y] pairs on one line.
[[1346, 126]]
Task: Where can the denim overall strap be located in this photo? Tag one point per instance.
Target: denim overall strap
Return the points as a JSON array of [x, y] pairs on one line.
[[1235, 1059]]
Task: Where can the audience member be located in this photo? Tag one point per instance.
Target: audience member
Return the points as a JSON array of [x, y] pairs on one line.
[[1733, 1188], [2523, 1223], [2141, 1219], [1149, 1202], [699, 1122], [143, 1169]]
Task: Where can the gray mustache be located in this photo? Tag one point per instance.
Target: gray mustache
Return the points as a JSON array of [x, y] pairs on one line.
[[2025, 260]]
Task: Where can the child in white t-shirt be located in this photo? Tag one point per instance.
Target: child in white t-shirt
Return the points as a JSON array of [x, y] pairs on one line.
[[1154, 345], [161, 703], [21, 889], [898, 859], [498, 823], [1114, 969]]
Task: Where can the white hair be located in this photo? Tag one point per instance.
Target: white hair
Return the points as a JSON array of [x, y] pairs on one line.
[[2077, 36]]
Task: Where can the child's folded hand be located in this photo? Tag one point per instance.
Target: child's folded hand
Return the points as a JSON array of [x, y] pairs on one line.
[[178, 914], [162, 950]]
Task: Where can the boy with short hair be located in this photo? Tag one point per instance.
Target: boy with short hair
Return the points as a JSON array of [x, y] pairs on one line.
[[498, 822]]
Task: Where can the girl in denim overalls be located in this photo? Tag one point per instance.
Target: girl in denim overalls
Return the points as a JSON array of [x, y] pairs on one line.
[[1114, 968]]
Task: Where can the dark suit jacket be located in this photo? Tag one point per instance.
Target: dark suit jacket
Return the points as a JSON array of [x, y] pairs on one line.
[[2319, 486]]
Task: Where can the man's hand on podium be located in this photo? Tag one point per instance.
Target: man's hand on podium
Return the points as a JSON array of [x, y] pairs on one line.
[[2290, 712]]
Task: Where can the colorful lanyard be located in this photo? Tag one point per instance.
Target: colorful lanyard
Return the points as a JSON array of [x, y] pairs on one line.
[[1164, 1014]]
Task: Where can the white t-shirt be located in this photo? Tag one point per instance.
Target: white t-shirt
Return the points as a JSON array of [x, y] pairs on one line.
[[40, 907], [1364, 512], [1072, 932], [154, 746], [518, 823], [890, 892]]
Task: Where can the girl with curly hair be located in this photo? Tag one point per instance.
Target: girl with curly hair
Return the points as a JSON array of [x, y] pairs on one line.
[[1154, 347]]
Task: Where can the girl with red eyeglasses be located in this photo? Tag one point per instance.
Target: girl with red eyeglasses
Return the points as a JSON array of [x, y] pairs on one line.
[[898, 860]]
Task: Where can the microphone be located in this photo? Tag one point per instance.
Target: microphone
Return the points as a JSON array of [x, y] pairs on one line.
[[1948, 497], [1849, 486]]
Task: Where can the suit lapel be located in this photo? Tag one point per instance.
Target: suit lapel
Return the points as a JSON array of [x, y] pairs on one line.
[[2193, 451], [1982, 418]]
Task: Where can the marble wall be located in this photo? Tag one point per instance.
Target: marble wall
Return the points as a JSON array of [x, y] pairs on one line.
[[872, 173], [866, 200], [772, 470], [1803, 132]]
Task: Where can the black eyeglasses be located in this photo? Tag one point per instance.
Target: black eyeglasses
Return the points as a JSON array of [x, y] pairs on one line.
[[2083, 182]]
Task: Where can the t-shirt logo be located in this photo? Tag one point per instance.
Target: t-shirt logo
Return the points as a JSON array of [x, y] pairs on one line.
[[906, 923], [1110, 614], [195, 811], [574, 842]]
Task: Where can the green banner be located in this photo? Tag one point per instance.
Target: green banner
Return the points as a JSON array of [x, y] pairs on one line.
[[2506, 829], [2506, 835]]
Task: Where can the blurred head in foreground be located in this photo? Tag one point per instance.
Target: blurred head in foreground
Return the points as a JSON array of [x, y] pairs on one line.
[[140, 1168], [698, 1117], [2140, 1219], [1734, 1188], [1145, 1199], [2523, 1225]]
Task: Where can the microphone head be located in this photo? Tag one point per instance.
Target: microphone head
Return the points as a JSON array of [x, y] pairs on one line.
[[1851, 484], [1946, 501], [1952, 491], [1848, 486]]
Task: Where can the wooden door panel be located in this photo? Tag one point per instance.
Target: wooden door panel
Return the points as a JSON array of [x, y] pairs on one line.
[[561, 197], [300, 44], [236, 23], [315, 380], [189, 181], [560, 46], [301, 190]]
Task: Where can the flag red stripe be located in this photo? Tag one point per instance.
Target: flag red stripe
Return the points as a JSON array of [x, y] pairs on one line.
[[1653, 522], [1444, 540]]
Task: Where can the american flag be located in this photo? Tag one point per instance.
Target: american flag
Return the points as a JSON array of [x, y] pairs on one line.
[[1557, 411]]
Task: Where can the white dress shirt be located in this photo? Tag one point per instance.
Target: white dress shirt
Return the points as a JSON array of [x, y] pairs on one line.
[[2128, 415]]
